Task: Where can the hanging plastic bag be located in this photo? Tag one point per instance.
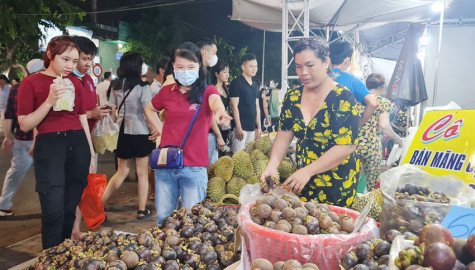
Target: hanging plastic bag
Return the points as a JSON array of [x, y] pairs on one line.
[[66, 101], [98, 139], [91, 205], [110, 133], [408, 215]]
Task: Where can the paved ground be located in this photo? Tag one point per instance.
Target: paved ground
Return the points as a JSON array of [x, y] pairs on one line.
[[20, 238]]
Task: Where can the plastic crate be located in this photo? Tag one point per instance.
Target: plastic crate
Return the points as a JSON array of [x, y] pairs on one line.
[[324, 250]]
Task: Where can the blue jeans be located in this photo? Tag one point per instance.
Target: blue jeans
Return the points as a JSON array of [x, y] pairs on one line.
[[20, 164], [212, 148], [189, 183]]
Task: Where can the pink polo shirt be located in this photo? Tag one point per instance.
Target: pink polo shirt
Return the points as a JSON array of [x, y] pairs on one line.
[[179, 113]]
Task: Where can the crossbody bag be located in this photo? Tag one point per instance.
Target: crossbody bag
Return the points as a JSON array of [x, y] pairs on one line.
[[171, 156]]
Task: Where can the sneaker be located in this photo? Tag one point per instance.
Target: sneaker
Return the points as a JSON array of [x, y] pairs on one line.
[[6, 213]]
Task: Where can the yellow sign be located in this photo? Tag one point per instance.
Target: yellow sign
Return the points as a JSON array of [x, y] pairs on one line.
[[444, 144]]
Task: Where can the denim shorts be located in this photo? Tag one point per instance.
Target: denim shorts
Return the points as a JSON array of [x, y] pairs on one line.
[[189, 183]]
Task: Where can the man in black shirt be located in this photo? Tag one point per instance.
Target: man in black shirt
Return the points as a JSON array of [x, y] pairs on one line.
[[244, 94]]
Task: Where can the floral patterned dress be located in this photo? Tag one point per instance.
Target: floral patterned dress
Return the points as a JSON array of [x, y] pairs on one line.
[[369, 143], [336, 123]]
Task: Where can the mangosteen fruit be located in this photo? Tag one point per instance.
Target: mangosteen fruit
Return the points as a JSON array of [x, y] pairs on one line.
[[144, 254], [299, 229], [117, 265], [192, 260], [347, 224], [209, 256], [261, 264], [291, 264], [310, 266], [280, 204], [382, 248], [361, 267], [439, 256], [288, 213], [171, 265], [391, 234], [312, 225], [130, 258], [282, 227], [278, 265], [226, 257], [348, 261], [263, 211], [470, 245], [325, 222], [168, 253], [111, 256], [363, 252], [383, 260]]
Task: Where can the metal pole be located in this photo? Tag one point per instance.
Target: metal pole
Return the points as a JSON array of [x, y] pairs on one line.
[[436, 80], [94, 15], [284, 45], [263, 56]]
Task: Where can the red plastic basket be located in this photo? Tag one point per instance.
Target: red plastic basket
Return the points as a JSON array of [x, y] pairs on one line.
[[322, 250]]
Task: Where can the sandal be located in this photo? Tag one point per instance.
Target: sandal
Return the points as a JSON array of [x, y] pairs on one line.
[[145, 214]]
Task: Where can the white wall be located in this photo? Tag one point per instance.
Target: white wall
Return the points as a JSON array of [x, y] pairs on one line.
[[456, 75]]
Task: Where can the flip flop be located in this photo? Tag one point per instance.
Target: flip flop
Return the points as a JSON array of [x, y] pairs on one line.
[[145, 214]]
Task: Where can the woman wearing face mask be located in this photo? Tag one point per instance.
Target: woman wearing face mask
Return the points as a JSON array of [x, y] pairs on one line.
[[180, 101], [219, 78]]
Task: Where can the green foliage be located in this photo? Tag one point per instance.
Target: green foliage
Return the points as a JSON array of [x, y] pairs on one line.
[[156, 34], [20, 30], [136, 46], [227, 54]]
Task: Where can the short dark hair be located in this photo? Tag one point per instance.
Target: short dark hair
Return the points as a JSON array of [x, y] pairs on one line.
[[204, 43], [130, 69], [85, 45], [339, 51], [375, 80], [107, 74], [248, 57], [162, 63], [4, 77]]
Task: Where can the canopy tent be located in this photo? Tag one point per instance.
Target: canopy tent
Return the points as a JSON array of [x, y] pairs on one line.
[[305, 16], [341, 14]]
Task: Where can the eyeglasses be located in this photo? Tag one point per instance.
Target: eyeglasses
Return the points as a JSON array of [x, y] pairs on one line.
[[315, 44]]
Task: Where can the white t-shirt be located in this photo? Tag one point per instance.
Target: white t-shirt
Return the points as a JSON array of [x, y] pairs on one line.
[[101, 90]]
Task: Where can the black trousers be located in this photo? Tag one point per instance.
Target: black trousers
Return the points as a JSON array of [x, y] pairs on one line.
[[62, 162]]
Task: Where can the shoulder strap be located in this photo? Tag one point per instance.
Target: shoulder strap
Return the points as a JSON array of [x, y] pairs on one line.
[[192, 122], [125, 97]]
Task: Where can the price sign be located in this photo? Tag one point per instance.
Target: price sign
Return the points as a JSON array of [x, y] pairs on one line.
[[97, 70], [460, 221]]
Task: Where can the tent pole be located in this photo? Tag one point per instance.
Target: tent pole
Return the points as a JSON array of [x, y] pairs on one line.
[[436, 80], [284, 45], [263, 56]]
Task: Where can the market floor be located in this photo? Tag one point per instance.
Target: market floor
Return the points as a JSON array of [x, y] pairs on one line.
[[20, 238]]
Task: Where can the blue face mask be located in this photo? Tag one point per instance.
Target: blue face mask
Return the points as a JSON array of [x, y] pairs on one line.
[[186, 77], [77, 73]]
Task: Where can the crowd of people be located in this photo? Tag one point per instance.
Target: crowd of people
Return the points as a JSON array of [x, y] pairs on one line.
[[335, 117]]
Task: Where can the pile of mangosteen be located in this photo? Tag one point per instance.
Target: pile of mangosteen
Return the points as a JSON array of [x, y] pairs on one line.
[[369, 255], [436, 249], [288, 214], [263, 264], [197, 238]]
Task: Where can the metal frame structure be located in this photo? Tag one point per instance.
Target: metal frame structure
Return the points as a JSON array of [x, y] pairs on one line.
[[299, 29]]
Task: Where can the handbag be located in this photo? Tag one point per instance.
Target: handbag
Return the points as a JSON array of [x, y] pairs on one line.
[[171, 156], [91, 205]]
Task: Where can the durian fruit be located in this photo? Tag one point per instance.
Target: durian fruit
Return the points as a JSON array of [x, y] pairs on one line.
[[260, 167], [235, 185], [253, 180], [257, 155], [250, 147], [376, 208], [216, 189], [224, 168], [286, 169], [211, 170], [242, 165], [264, 144]]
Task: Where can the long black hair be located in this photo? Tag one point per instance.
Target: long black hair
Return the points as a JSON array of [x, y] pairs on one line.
[[191, 52], [130, 69], [216, 69]]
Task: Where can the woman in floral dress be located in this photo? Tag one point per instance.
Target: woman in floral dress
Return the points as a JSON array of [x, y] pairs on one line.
[[323, 116]]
